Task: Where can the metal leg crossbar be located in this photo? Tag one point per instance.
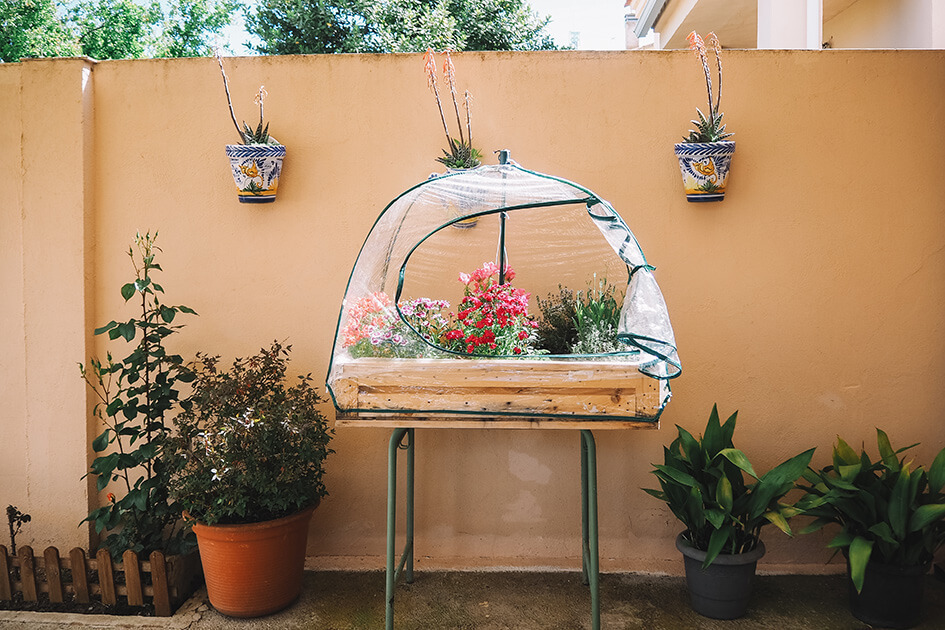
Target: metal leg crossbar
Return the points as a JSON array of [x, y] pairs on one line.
[[590, 558]]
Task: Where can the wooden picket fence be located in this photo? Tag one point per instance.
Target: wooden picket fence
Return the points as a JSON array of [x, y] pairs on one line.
[[163, 581]]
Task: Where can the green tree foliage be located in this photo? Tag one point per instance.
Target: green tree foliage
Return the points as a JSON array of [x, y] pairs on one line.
[[31, 28], [114, 29], [190, 27], [111, 29], [330, 26], [292, 27]]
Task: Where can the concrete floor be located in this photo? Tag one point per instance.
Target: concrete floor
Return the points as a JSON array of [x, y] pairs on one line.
[[334, 600]]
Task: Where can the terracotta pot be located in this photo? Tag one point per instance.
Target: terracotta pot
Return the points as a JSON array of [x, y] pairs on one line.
[[723, 590], [254, 569], [256, 169], [704, 167]]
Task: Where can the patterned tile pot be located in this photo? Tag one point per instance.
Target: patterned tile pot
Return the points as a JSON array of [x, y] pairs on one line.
[[704, 167], [254, 569], [256, 169]]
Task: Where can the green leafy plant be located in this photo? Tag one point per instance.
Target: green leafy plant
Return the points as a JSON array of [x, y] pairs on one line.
[[136, 396], [703, 482], [248, 135], [708, 128], [250, 447], [581, 323], [556, 331], [461, 152], [596, 318], [889, 510]]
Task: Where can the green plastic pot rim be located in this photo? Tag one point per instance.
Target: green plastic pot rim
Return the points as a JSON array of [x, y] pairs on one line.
[[686, 548]]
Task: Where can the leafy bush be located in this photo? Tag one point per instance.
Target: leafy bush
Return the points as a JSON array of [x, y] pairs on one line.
[[250, 448], [703, 483], [135, 397], [889, 510]]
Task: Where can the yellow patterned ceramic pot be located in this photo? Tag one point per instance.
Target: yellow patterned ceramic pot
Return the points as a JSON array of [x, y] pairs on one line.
[[256, 169], [705, 167]]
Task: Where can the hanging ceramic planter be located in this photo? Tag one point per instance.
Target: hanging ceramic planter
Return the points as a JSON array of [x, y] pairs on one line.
[[256, 169], [705, 167], [705, 155]]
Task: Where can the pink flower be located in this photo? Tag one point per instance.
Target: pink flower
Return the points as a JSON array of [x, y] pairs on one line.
[[465, 278]]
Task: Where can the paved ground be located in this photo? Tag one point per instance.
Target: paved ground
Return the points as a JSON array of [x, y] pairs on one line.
[[526, 601]]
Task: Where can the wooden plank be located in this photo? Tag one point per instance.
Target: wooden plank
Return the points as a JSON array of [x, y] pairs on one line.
[[132, 578], [444, 422], [162, 597], [487, 372], [585, 389], [533, 400], [6, 591], [53, 576], [106, 577], [80, 575], [27, 574]]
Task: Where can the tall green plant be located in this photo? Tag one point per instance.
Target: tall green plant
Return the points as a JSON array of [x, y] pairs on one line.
[[135, 396], [888, 510], [703, 483]]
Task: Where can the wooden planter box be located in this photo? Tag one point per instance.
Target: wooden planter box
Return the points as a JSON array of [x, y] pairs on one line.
[[165, 582], [597, 390]]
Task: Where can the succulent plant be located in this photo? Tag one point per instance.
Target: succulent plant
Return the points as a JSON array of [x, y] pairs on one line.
[[708, 128]]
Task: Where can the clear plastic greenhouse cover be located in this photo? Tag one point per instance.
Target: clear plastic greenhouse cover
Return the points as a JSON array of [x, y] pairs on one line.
[[500, 291]]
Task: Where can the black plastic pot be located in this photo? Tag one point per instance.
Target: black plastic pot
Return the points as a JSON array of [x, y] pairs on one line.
[[891, 595], [721, 591]]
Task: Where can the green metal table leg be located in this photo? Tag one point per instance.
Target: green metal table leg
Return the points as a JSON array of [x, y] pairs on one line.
[[395, 440], [591, 549], [584, 545], [408, 574]]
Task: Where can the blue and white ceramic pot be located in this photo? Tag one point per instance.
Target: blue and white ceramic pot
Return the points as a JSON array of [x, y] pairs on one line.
[[256, 169], [704, 167]]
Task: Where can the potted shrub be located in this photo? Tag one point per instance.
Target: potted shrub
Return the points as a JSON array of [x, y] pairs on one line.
[[256, 161], [703, 482], [705, 155], [892, 520], [249, 467]]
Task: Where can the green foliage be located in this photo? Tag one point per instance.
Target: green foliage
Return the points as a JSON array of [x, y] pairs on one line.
[[556, 329], [460, 155], [708, 129], [596, 318], [295, 27], [500, 25], [287, 27], [888, 510], [32, 28], [249, 447], [114, 29], [135, 397], [703, 483], [190, 26], [581, 323]]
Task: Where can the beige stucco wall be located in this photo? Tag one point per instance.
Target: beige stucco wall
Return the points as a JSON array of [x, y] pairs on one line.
[[810, 300], [888, 24]]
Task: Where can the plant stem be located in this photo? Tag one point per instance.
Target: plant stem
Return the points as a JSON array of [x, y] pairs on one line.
[[436, 93], [226, 87]]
